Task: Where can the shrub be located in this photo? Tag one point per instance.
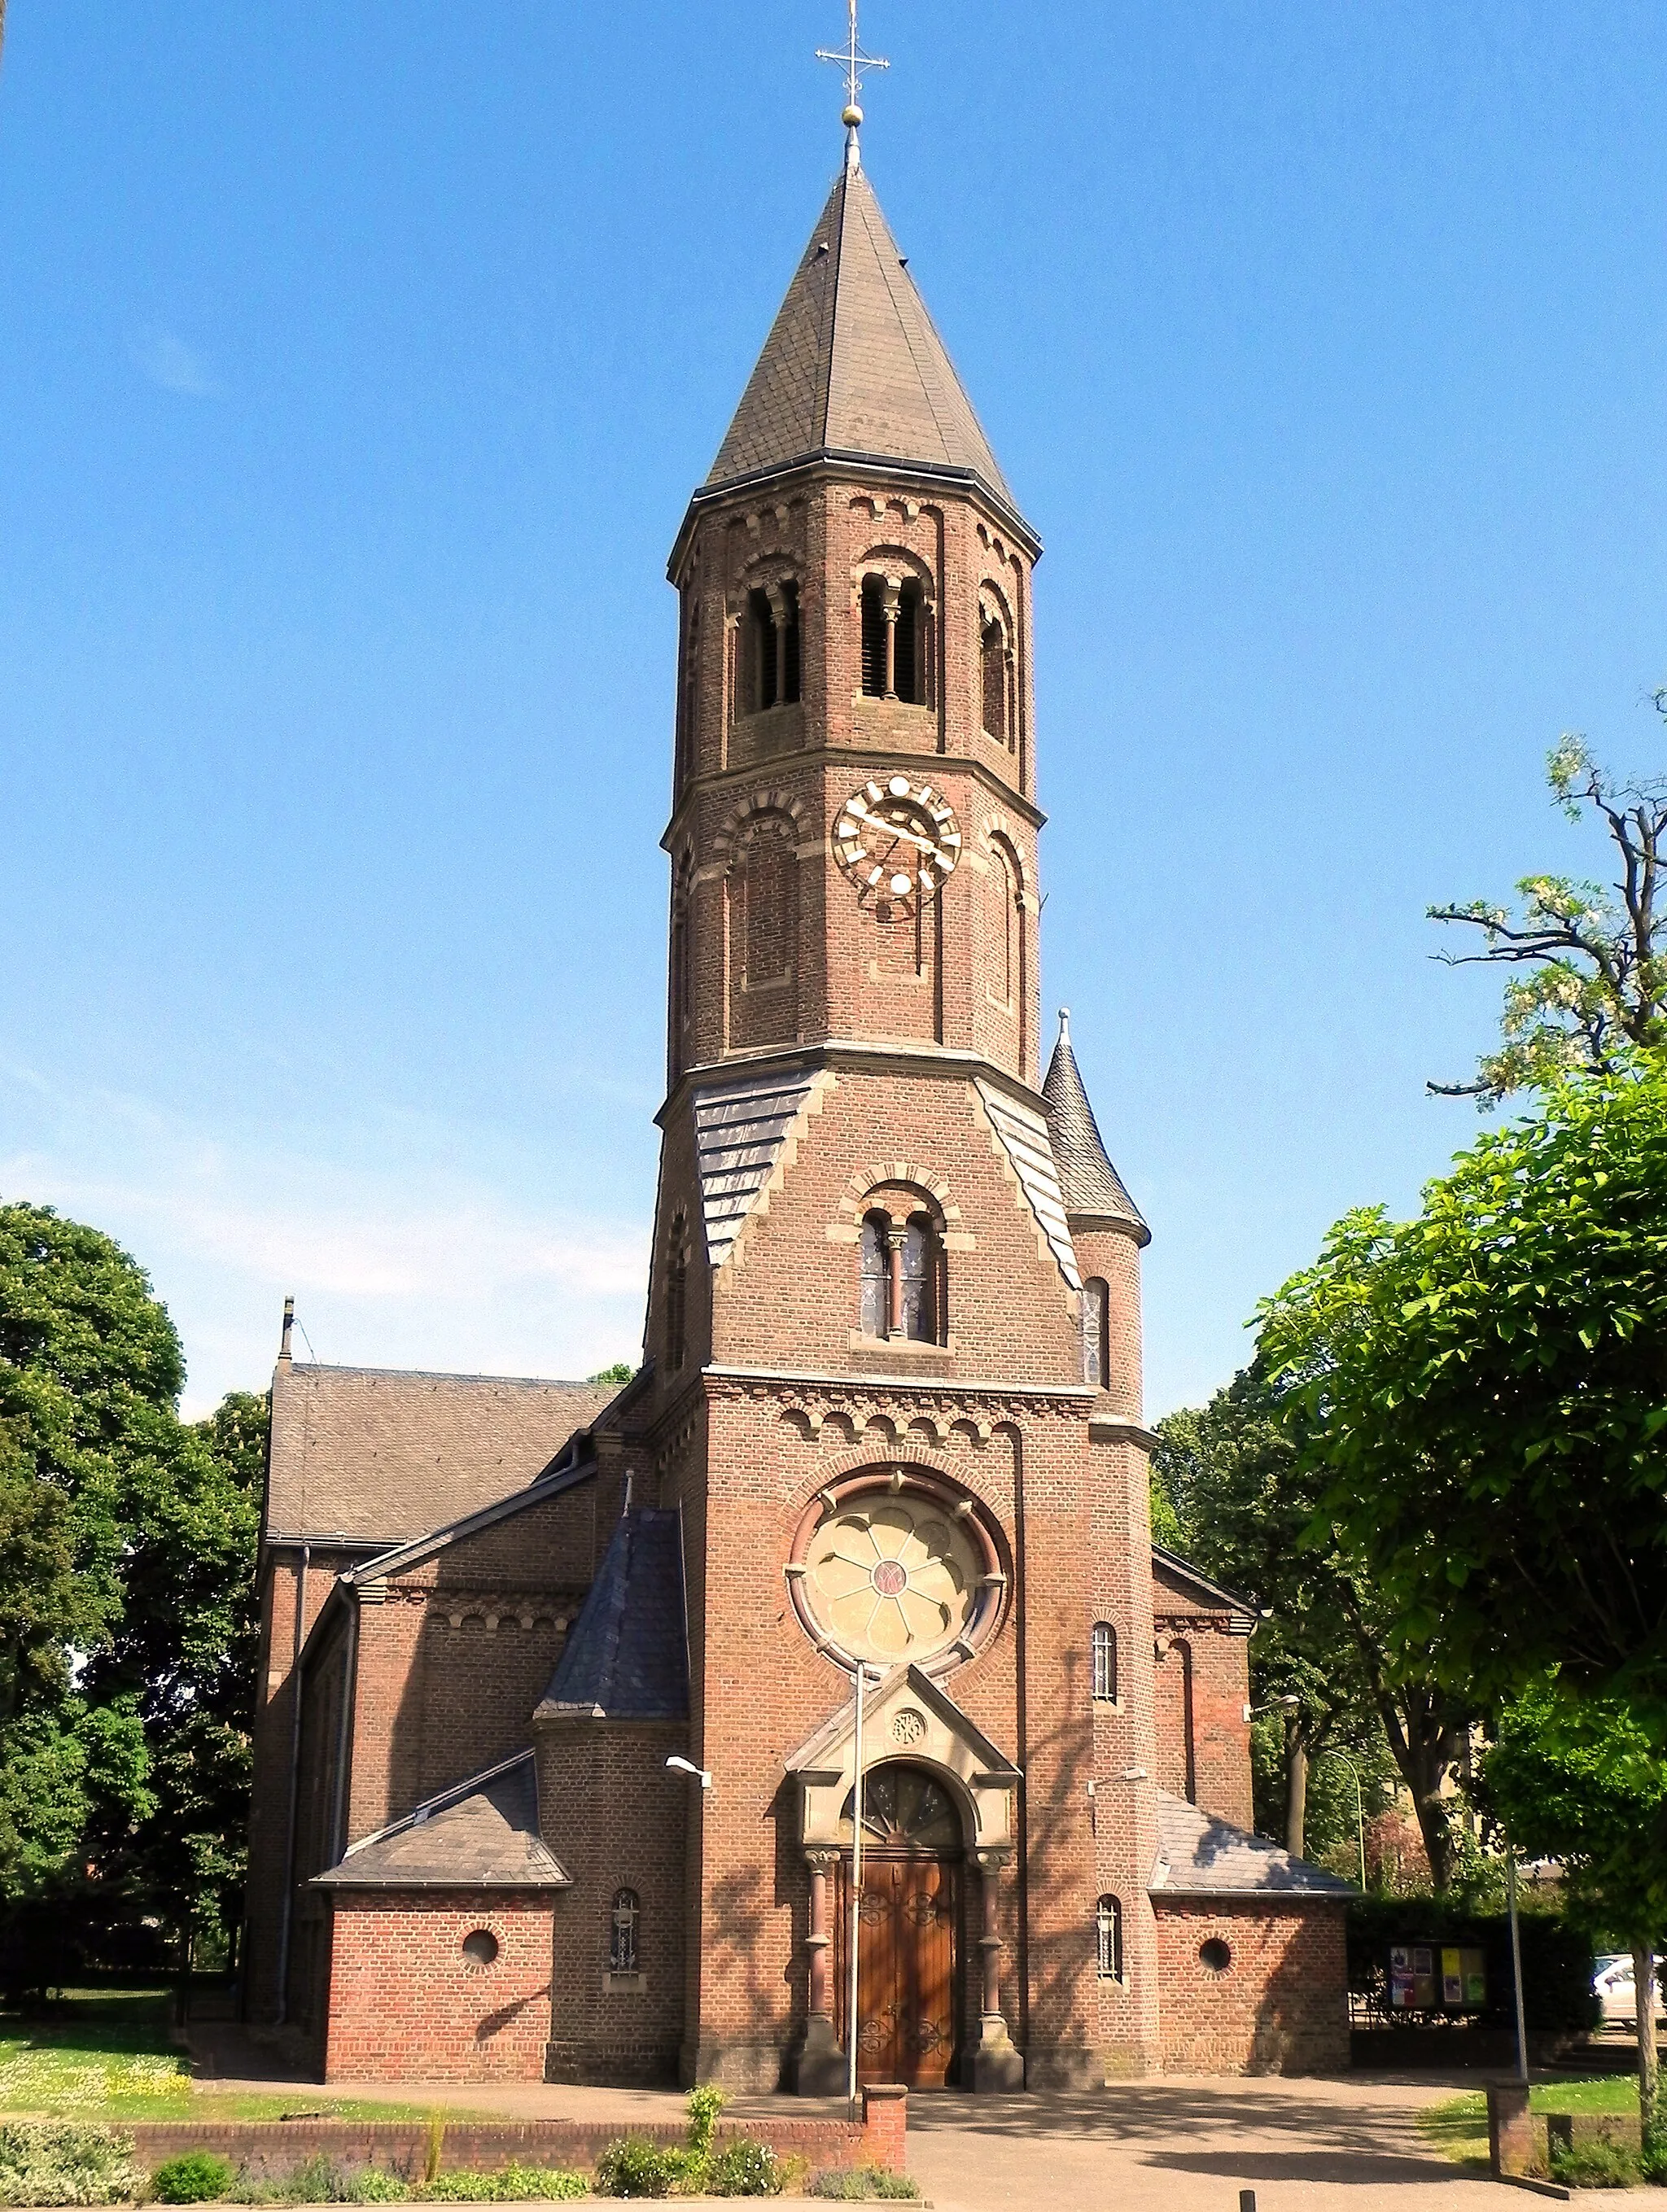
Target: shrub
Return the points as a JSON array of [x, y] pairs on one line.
[[704, 2106], [376, 2185], [191, 2178], [552, 2182], [855, 2184], [1653, 2160], [460, 2189], [60, 2162], [744, 2168], [633, 2165], [1594, 2166]]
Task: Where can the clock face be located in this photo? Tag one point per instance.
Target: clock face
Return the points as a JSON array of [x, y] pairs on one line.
[[896, 840]]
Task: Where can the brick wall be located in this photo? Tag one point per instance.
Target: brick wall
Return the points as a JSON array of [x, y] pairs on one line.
[[617, 1819], [407, 2001], [1281, 2005]]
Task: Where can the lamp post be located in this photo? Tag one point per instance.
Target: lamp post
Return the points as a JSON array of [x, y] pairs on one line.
[[860, 1674], [1343, 1760]]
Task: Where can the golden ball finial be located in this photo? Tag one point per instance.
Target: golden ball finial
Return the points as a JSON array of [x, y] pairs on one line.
[[852, 119]]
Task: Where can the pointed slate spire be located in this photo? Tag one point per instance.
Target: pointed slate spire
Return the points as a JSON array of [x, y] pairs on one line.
[[1090, 1182], [853, 365]]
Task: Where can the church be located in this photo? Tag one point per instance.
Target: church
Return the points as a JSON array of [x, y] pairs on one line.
[[561, 1766]]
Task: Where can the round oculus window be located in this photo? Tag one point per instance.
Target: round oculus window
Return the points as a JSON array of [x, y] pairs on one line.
[[1214, 1955], [897, 1574], [481, 1946]]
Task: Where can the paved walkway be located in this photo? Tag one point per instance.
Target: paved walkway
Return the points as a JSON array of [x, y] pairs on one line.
[[1182, 2144]]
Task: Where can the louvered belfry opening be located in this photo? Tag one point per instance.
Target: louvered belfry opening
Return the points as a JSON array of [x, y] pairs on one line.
[[993, 657], [762, 623], [873, 637]]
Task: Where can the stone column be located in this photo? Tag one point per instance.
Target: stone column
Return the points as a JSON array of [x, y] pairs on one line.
[[890, 607], [896, 1239], [996, 2064], [819, 2069]]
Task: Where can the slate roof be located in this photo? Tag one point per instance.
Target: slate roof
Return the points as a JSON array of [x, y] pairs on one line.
[[481, 1834], [1201, 1857], [1179, 1577], [853, 365], [740, 1127], [1090, 1182], [627, 1654], [1024, 1138], [378, 1455]]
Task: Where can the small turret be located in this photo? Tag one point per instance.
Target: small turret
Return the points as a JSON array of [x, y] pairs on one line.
[[1107, 1232]]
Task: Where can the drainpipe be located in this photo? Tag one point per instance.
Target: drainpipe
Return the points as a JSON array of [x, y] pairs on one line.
[[344, 1732], [294, 1777]]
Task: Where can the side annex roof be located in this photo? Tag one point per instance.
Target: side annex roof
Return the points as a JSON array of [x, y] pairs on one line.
[[1199, 1855], [482, 1834]]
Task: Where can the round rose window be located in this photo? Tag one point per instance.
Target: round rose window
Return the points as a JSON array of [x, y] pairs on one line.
[[896, 1572]]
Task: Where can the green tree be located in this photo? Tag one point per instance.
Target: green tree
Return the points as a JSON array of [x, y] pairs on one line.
[[1592, 984], [1581, 1781], [139, 1770], [1244, 1497], [1483, 1394]]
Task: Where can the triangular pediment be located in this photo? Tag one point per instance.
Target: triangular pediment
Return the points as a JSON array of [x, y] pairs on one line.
[[907, 1717]]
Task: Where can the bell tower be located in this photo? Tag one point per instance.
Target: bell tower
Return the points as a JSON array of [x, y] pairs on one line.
[[870, 1322]]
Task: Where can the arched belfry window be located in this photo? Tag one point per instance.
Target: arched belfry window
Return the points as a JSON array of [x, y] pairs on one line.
[[906, 647], [1096, 1365], [772, 627], [874, 640], [1107, 1940], [624, 1920], [921, 1267], [1103, 1648]]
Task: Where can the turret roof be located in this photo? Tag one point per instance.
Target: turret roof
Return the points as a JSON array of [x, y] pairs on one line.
[[853, 365], [1089, 1181]]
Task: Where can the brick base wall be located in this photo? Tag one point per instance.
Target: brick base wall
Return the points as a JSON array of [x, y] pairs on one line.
[[1279, 2005], [407, 2001], [268, 2149]]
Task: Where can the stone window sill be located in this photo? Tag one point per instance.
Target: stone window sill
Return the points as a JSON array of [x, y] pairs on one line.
[[621, 1985]]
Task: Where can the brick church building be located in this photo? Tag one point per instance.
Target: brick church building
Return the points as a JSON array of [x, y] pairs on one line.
[[889, 1414]]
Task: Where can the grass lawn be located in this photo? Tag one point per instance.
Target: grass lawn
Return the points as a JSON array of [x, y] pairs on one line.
[[105, 2055], [1457, 2127]]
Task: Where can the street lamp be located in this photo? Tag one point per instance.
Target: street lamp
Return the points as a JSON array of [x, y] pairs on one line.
[[1343, 1760], [681, 1766]]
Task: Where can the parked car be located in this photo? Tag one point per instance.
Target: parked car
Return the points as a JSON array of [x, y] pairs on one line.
[[1612, 1985]]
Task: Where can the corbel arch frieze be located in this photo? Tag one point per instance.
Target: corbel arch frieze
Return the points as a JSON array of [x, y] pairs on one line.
[[777, 566]]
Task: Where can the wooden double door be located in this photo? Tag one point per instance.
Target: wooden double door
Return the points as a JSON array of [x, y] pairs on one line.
[[907, 1962]]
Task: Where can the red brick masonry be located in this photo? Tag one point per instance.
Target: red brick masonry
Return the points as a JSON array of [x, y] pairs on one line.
[[268, 2148]]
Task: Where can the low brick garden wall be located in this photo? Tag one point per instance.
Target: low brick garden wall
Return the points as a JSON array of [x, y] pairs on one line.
[[267, 2150]]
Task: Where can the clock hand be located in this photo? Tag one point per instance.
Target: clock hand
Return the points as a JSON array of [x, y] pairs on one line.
[[895, 829]]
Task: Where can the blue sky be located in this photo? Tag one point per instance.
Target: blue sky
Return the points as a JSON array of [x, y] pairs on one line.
[[355, 363]]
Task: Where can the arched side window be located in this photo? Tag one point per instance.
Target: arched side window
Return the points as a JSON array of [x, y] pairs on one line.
[[922, 1266], [875, 1279], [1003, 961], [682, 890], [1107, 1940], [1103, 1646], [1096, 1365], [677, 1297], [623, 1925]]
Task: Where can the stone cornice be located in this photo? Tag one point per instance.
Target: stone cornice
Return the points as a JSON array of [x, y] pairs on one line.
[[862, 757], [831, 464], [1113, 1430], [957, 1387], [897, 1058]]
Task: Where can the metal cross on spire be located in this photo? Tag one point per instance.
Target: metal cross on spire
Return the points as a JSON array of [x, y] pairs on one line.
[[852, 59]]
